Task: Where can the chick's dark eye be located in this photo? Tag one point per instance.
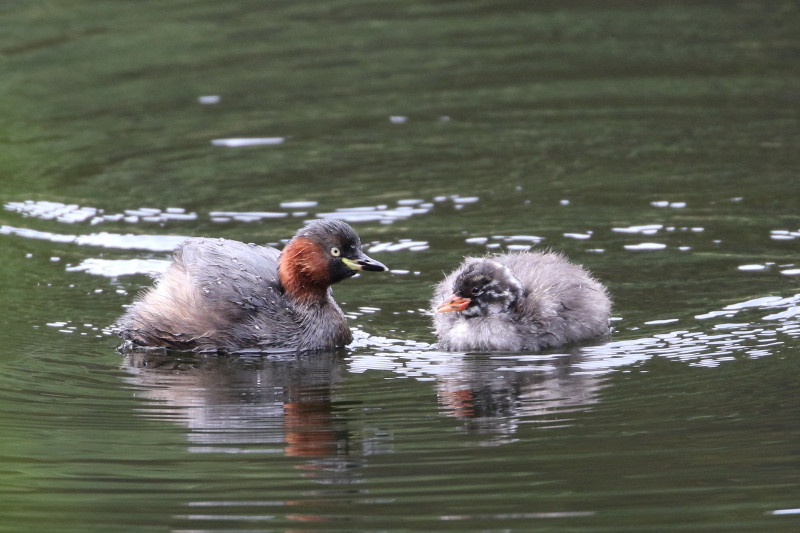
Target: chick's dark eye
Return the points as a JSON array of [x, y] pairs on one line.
[[476, 291]]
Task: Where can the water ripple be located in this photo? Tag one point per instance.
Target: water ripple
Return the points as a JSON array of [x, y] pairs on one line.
[[112, 268], [153, 243], [383, 213]]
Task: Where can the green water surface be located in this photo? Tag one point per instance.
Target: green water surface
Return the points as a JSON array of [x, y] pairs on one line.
[[573, 122]]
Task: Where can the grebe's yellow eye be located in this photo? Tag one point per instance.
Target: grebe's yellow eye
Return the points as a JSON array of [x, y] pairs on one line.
[[335, 252]]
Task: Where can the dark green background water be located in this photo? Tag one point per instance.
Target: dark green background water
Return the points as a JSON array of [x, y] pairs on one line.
[[595, 126]]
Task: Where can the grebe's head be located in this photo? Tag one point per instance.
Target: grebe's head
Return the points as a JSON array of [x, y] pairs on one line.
[[483, 287], [322, 253]]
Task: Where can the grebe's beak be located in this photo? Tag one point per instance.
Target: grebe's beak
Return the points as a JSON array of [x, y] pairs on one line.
[[362, 262], [455, 303]]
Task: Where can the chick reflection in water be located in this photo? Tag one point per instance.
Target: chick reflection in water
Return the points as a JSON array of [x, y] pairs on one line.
[[493, 396], [519, 301], [228, 296]]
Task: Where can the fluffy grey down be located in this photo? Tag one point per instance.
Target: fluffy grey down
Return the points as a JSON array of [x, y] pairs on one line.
[[559, 303]]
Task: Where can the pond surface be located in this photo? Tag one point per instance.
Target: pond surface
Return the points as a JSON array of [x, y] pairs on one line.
[[658, 144]]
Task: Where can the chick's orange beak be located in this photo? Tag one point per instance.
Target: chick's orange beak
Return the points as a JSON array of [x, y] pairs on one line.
[[455, 303]]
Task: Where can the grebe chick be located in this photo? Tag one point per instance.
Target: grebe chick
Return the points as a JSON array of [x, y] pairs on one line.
[[519, 301], [226, 296]]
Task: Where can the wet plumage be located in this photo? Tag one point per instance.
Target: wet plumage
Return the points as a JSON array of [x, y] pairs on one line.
[[519, 301], [226, 296]]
